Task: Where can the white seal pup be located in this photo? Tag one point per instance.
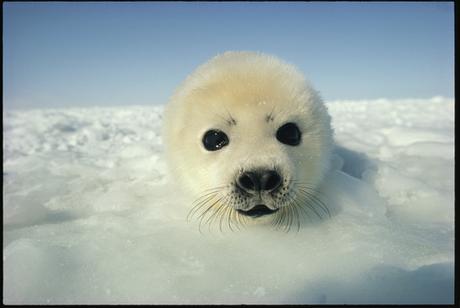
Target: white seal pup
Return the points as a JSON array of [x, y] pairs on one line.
[[249, 138]]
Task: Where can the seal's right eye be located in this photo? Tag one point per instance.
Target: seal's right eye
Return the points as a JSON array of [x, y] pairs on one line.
[[214, 140]]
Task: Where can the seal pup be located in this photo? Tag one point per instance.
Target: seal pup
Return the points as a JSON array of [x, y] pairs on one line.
[[250, 139]]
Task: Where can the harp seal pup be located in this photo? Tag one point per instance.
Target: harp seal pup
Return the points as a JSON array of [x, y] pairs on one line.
[[250, 140]]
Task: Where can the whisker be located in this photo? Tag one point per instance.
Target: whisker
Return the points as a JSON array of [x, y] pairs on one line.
[[236, 219], [312, 194], [214, 215], [201, 217], [203, 197], [197, 208], [275, 222], [233, 218], [310, 203], [228, 211], [291, 218], [222, 217], [238, 216], [199, 205], [298, 218], [228, 218], [227, 215], [316, 200], [199, 199], [310, 187], [283, 223], [303, 210], [221, 205]]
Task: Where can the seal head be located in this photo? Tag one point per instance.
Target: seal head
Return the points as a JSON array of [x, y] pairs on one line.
[[249, 137]]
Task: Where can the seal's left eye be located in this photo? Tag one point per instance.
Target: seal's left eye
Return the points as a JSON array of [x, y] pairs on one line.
[[214, 140], [289, 134]]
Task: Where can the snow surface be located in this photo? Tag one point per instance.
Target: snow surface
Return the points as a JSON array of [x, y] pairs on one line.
[[91, 217]]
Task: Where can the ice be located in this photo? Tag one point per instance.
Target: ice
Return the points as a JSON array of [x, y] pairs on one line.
[[91, 217]]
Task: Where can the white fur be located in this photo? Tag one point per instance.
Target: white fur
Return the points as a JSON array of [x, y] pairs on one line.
[[247, 87]]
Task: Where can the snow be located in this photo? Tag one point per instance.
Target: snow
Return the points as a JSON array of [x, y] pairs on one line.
[[90, 216]]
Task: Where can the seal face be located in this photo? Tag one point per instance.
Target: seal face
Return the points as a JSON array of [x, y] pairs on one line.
[[249, 138]]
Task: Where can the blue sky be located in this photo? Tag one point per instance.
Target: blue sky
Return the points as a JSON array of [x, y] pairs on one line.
[[107, 54]]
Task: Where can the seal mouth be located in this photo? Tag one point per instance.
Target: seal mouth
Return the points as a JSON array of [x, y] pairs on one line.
[[257, 211]]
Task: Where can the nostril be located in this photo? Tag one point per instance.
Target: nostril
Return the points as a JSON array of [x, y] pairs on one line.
[[270, 180], [248, 181], [260, 180]]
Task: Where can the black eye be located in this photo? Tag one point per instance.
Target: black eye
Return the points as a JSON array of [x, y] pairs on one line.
[[214, 140], [289, 134]]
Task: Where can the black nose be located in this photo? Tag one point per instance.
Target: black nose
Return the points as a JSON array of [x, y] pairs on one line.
[[260, 180]]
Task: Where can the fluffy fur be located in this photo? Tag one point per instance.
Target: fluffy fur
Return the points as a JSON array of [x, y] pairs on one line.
[[248, 96]]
